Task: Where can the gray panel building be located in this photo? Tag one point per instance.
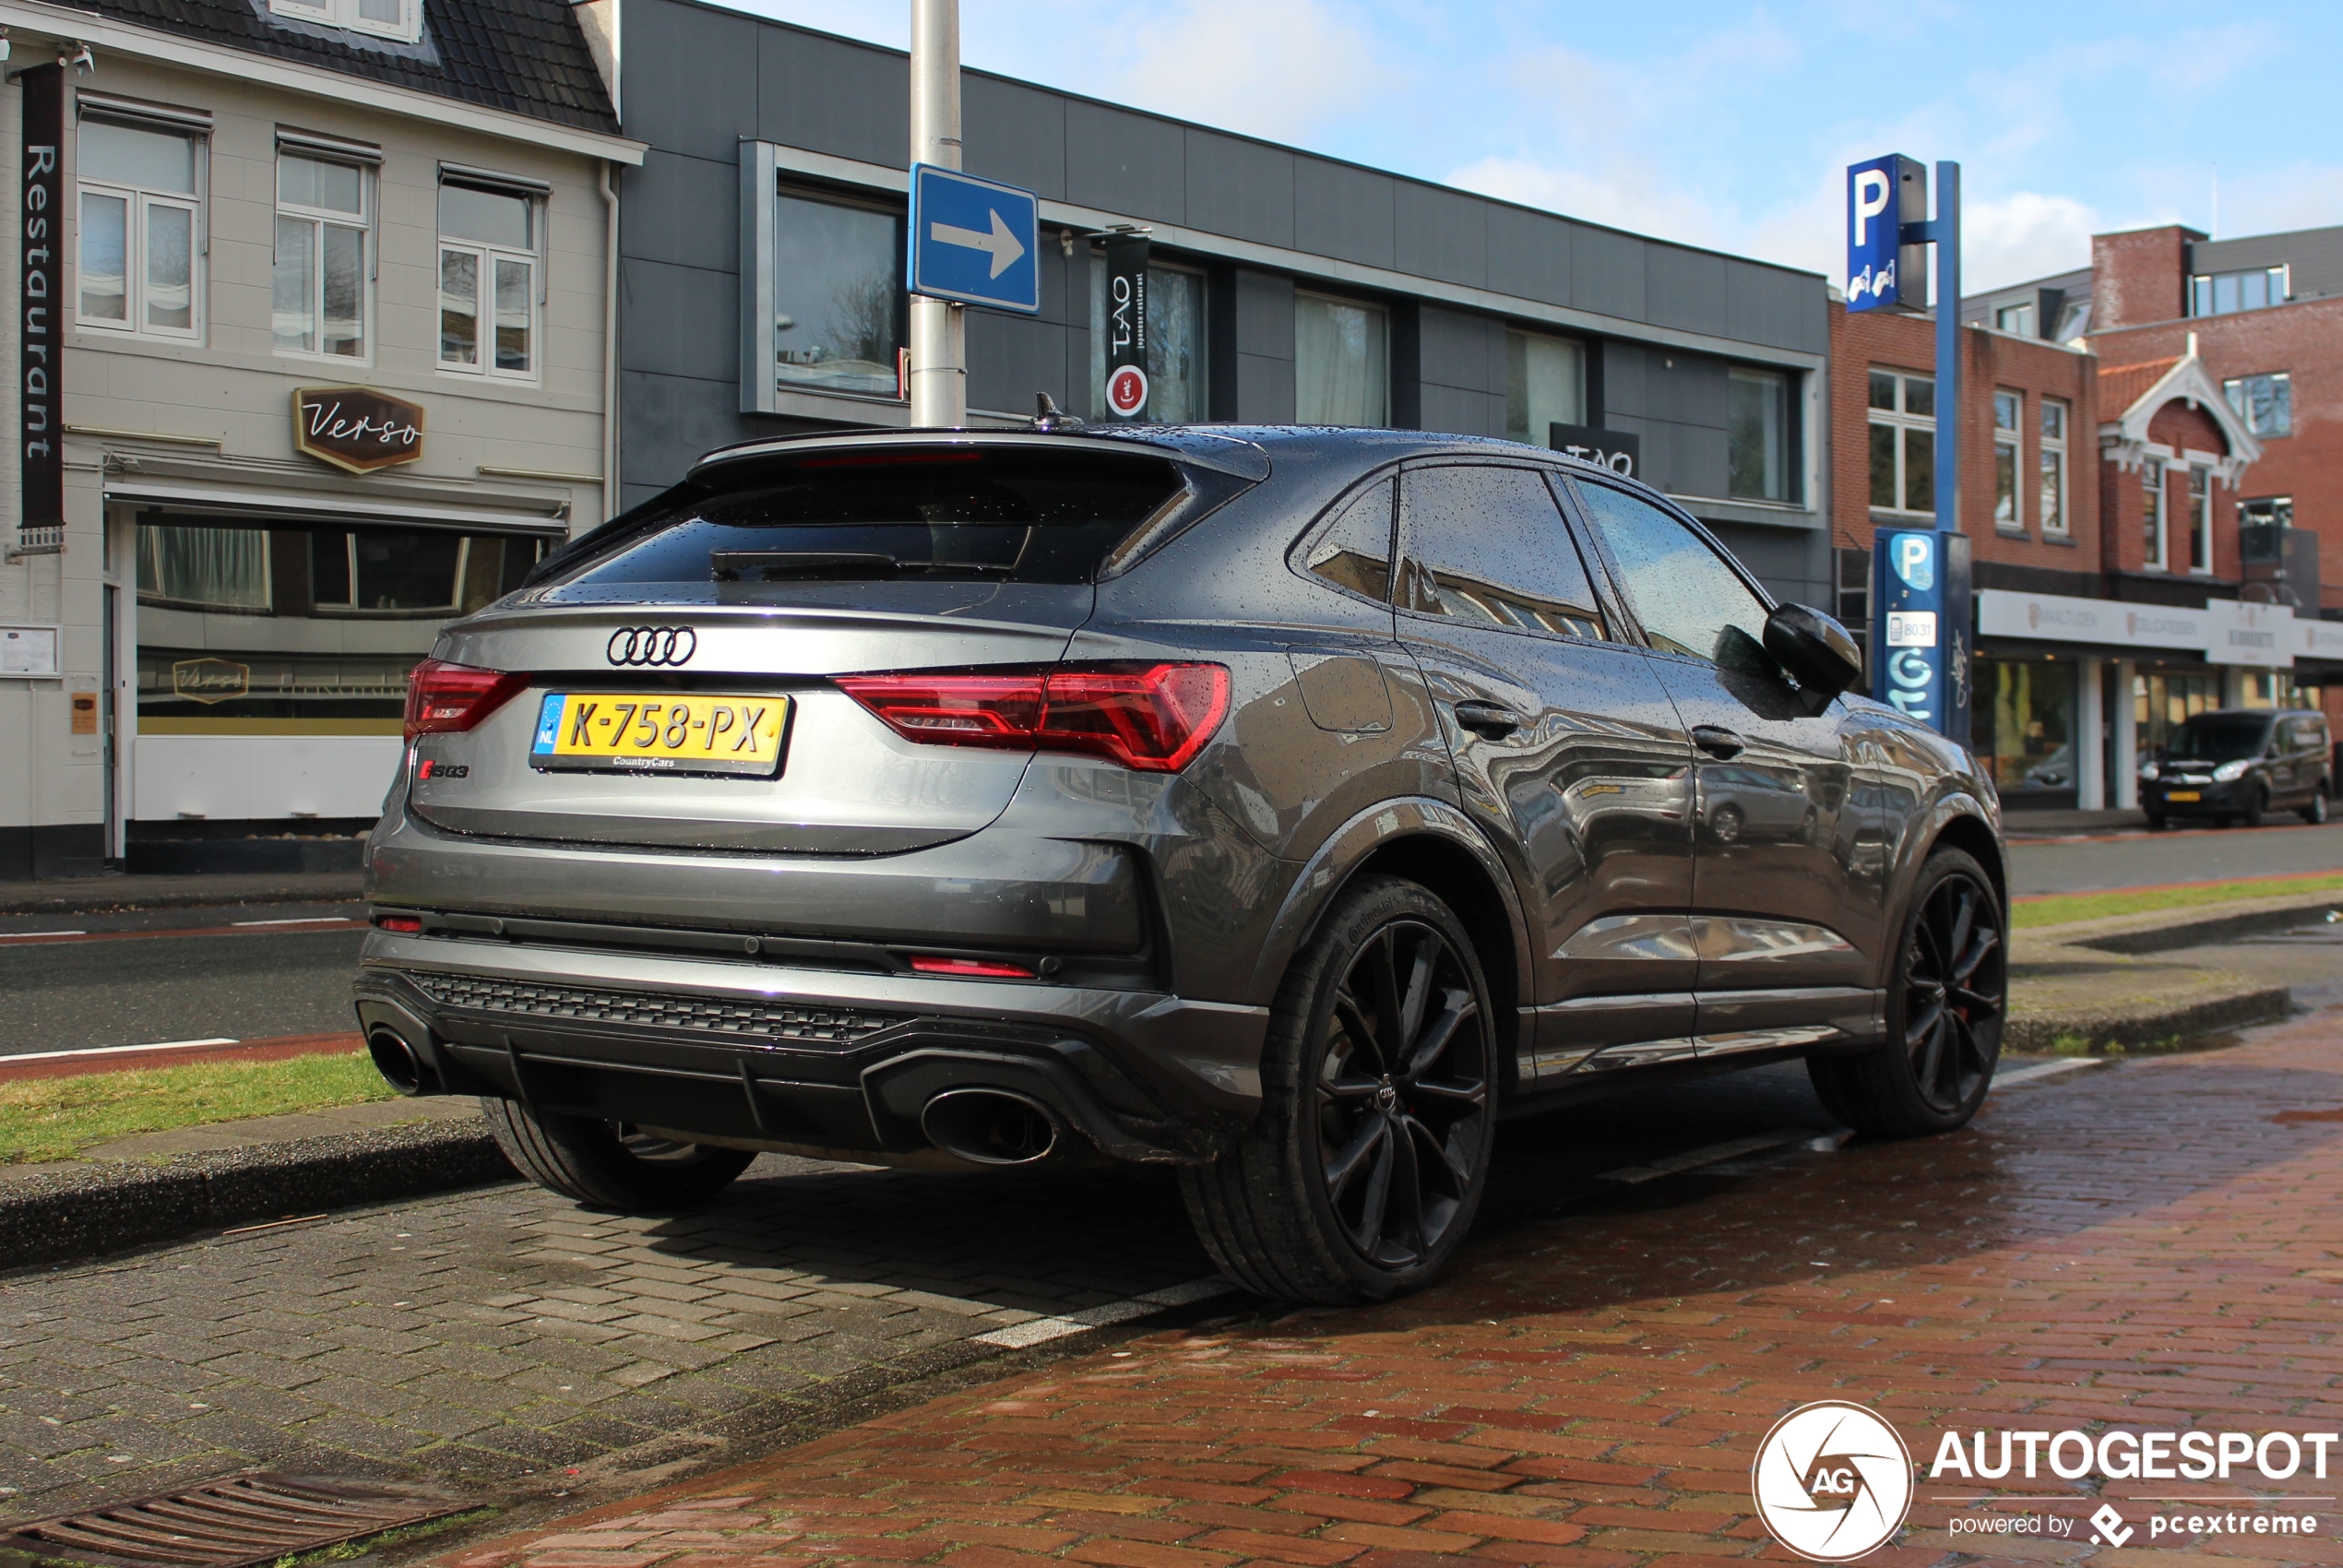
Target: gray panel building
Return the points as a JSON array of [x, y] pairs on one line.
[[761, 285]]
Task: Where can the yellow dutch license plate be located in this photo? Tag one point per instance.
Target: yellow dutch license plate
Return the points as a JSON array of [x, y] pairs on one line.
[[730, 734], [2184, 795]]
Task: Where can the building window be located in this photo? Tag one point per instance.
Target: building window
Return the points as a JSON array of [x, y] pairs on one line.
[[2050, 464], [1903, 442], [319, 280], [2152, 513], [2221, 294], [1757, 432], [2009, 409], [2022, 727], [1341, 362], [2269, 510], [839, 315], [2018, 319], [401, 19], [2265, 402], [204, 567], [1545, 385], [1178, 390], [2200, 518], [140, 253], [488, 279]]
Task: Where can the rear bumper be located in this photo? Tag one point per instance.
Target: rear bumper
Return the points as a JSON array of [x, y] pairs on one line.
[[763, 1053]]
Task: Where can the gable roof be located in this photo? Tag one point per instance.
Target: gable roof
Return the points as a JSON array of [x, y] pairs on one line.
[[2135, 393], [522, 56], [2121, 385]]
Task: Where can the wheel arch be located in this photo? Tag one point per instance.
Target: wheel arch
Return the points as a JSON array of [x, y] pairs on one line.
[[1975, 837]]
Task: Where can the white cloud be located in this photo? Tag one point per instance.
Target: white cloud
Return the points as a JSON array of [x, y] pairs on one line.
[[1283, 69], [2024, 235], [1623, 196], [2303, 196]]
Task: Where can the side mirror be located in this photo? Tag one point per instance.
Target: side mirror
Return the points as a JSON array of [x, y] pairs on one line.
[[1816, 649]]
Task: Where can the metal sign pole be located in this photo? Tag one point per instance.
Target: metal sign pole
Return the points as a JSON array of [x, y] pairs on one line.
[[939, 330], [1946, 233]]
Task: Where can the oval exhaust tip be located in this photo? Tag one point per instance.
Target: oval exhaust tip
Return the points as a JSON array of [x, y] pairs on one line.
[[395, 1060], [990, 1127]]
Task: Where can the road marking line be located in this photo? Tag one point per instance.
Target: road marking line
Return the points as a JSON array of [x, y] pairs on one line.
[[118, 1050], [2043, 1070], [26, 935], [306, 919], [1042, 1330], [1635, 1175]]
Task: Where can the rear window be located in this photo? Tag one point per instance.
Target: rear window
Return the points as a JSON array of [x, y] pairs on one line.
[[1007, 515]]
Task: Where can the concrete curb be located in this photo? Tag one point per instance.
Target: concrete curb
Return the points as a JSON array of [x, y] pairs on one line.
[[55, 1219], [2117, 1031], [2165, 931]]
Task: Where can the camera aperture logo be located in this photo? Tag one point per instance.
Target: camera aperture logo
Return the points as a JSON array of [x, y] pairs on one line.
[[1832, 1481]]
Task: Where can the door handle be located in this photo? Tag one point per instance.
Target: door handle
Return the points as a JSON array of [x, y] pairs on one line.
[[1717, 741], [1490, 722]]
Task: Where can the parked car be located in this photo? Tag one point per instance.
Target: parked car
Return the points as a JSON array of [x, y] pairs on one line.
[[2237, 764], [1287, 806]]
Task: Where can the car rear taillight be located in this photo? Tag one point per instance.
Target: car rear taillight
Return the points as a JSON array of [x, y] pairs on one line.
[[443, 696], [1153, 718]]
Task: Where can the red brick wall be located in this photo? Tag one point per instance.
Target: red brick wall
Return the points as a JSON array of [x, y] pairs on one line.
[[2123, 504], [2137, 278], [1995, 361]]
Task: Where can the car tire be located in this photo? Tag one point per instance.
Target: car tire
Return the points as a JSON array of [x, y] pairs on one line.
[[2157, 822], [1946, 1001], [2314, 809], [1362, 1170], [609, 1165], [2259, 808]]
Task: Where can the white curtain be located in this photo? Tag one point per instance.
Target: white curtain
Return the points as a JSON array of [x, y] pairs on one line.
[[1342, 365], [227, 567]]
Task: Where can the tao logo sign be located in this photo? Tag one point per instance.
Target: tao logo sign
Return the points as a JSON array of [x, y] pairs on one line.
[[1832, 1481]]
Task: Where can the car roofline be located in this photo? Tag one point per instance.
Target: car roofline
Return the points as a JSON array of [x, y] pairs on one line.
[[1227, 453]]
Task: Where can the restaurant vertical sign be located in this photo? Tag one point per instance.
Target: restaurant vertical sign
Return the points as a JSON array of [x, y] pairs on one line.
[[1126, 326], [39, 288]]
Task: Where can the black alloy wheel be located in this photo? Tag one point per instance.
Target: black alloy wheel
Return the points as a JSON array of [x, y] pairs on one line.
[[1946, 1005], [1954, 993], [2258, 807], [1361, 1174], [1402, 1095]]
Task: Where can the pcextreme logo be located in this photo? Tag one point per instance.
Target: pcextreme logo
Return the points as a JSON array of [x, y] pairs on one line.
[[1832, 1481]]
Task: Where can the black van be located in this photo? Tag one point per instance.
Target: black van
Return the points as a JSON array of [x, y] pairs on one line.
[[2238, 764]]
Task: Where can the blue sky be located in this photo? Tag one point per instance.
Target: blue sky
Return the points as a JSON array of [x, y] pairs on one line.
[[1730, 124]]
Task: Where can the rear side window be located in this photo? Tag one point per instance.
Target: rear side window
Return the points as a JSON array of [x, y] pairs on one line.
[[1354, 551], [1488, 544], [1005, 515]]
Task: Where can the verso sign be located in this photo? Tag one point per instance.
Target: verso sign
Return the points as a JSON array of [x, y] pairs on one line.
[[357, 429]]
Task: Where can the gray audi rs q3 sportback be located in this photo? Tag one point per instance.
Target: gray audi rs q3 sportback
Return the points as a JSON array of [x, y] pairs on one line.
[[1286, 805]]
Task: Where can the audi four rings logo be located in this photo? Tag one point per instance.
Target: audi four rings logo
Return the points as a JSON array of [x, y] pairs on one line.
[[652, 645]]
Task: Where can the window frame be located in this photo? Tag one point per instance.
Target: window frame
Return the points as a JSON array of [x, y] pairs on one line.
[[138, 201], [1902, 422], [1528, 336], [2010, 439], [367, 224], [2200, 520], [2238, 390], [351, 609], [2050, 456], [487, 257], [1381, 315], [2203, 288], [348, 16], [1784, 431], [2156, 521], [2002, 313]]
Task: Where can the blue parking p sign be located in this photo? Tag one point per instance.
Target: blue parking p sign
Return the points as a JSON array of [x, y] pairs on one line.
[[975, 242], [1883, 273]]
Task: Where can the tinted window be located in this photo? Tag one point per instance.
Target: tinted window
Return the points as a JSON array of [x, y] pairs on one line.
[[1018, 516], [1682, 590], [2218, 737], [1354, 552], [1488, 544]]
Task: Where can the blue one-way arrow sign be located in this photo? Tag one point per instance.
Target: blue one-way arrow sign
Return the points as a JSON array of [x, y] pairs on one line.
[[974, 241]]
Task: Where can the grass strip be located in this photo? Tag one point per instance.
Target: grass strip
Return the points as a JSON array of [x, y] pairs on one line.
[[45, 1119], [2062, 908]]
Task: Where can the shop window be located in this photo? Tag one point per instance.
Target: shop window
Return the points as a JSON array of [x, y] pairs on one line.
[[2221, 294], [2023, 727], [2009, 412], [489, 278], [2265, 402], [2163, 703], [2018, 319], [387, 571], [1178, 390], [1757, 435], [2152, 539], [1903, 442], [1341, 362], [2200, 518], [839, 315], [399, 20], [140, 256], [2051, 468], [321, 274], [209, 568], [1545, 385]]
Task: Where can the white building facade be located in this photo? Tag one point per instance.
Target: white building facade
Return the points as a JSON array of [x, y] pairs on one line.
[[312, 355]]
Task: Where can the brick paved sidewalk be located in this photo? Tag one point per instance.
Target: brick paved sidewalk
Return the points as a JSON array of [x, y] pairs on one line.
[[2157, 1244]]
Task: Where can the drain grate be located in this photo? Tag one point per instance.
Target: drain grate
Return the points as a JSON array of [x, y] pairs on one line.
[[235, 1521]]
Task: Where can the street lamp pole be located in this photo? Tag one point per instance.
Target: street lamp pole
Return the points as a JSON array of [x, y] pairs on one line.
[[939, 328]]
